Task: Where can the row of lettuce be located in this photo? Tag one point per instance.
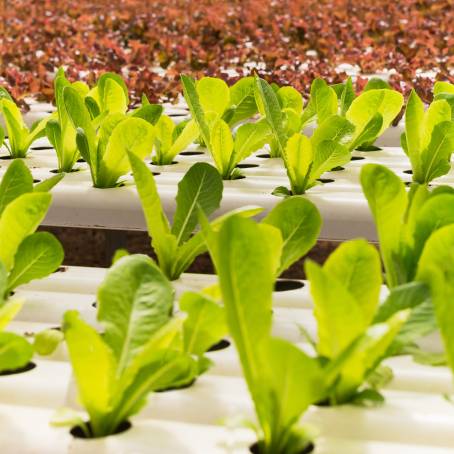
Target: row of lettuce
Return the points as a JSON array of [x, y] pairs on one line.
[[231, 123], [150, 342]]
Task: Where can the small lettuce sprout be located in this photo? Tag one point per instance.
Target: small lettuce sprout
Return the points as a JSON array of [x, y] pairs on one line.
[[24, 253], [172, 139], [59, 129], [200, 189], [20, 137], [244, 256], [429, 138]]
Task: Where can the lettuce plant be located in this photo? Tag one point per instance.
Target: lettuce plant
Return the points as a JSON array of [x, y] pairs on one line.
[[208, 103], [428, 139], [244, 256], [59, 129], [24, 253], [172, 139], [371, 112], [140, 350], [20, 137], [176, 246], [105, 148], [350, 344], [404, 221]]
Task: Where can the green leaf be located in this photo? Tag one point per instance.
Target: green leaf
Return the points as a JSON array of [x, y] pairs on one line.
[[268, 105], [242, 97], [406, 296], [200, 187], [443, 87], [328, 155], [290, 98], [163, 242], [385, 102], [17, 131], [298, 157], [132, 135], [113, 93], [299, 223], [135, 300], [38, 255], [414, 117], [367, 355], [214, 95], [294, 384], [435, 159], [8, 309], [94, 367], [322, 102], [192, 98], [335, 128], [151, 113], [221, 147], [375, 83], [246, 276], [249, 138], [347, 96], [368, 134], [16, 181], [188, 135], [48, 184], [19, 219], [47, 341], [15, 352], [204, 325], [387, 199]]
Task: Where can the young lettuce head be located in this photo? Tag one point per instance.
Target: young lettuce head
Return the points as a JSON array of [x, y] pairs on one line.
[[20, 137], [144, 346]]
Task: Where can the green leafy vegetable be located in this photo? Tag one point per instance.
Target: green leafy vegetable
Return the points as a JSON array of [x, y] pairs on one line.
[[138, 352], [200, 189], [246, 269], [404, 221], [428, 139], [346, 292], [20, 137], [106, 148]]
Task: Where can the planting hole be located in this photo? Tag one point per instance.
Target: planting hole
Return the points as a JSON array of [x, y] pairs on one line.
[[246, 166], [408, 172], [36, 181], [325, 180], [6, 158], [77, 431], [95, 304], [191, 153], [61, 269], [58, 171], [255, 448], [81, 160], [368, 148], [357, 158], [176, 388], [21, 370], [159, 165], [264, 155], [221, 345], [284, 285], [43, 148], [337, 169]]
